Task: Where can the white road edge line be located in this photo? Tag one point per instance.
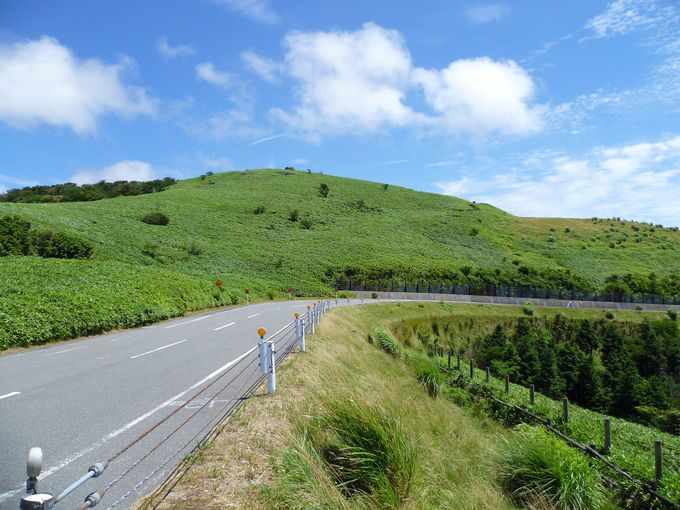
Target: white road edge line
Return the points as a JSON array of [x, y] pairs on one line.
[[65, 350], [68, 460], [225, 326], [156, 350], [254, 315], [10, 394], [187, 322]]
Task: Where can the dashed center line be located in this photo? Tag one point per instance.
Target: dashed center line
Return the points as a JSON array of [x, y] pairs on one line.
[[10, 394], [225, 326], [187, 322], [254, 315], [62, 352], [156, 350]]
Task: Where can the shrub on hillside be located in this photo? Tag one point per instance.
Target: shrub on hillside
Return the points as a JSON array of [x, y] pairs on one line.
[[540, 471], [673, 314], [294, 216], [260, 209], [156, 218], [323, 190], [18, 238], [306, 224]]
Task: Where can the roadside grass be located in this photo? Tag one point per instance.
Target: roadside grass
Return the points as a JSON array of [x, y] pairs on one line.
[[306, 446], [214, 234]]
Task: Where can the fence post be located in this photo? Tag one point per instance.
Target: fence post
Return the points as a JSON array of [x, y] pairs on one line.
[[300, 327], [565, 410], [459, 362], [472, 368], [488, 374], [658, 457], [449, 364], [532, 396], [507, 384], [271, 375], [607, 435]]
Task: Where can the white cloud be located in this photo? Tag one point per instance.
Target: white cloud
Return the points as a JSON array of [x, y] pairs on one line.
[[256, 10], [485, 13], [163, 47], [265, 68], [207, 72], [215, 161], [622, 17], [482, 95], [122, 171], [637, 181], [348, 81], [442, 164], [43, 82], [227, 125], [266, 139], [363, 81]]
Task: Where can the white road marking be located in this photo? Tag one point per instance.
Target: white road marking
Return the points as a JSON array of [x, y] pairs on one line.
[[225, 326], [254, 315], [156, 350], [120, 338], [65, 350], [10, 394], [298, 306], [187, 322], [68, 460]]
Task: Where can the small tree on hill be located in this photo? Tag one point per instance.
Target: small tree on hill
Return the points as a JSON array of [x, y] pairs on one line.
[[323, 190]]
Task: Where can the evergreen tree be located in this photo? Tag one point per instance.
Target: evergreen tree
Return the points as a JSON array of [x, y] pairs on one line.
[[587, 338]]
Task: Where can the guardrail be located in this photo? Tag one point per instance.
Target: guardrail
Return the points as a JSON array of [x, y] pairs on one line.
[[242, 379]]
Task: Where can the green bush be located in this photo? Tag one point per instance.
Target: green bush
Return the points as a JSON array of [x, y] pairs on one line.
[[156, 218], [374, 295], [323, 190], [294, 216], [61, 245], [428, 375], [387, 343], [15, 236], [673, 314], [610, 315], [260, 209], [540, 471], [306, 223]]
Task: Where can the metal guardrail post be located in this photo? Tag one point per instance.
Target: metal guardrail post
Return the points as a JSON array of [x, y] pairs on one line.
[[271, 375]]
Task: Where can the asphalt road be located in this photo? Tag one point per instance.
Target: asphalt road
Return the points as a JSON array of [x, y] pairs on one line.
[[84, 400]]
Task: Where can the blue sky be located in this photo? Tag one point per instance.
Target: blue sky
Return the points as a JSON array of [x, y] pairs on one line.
[[540, 108]]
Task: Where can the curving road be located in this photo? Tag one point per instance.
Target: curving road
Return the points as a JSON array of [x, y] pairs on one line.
[[84, 400]]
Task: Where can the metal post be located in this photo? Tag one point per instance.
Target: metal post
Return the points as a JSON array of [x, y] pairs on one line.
[[532, 396], [271, 374], [488, 374], [301, 335], [507, 384], [565, 410], [658, 457], [312, 319], [607, 435]]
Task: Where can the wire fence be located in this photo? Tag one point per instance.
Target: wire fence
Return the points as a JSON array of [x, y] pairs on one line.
[[466, 378], [520, 291], [230, 388]]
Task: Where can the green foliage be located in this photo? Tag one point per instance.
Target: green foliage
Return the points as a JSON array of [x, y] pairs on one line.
[[673, 314], [260, 209], [539, 470], [387, 343], [294, 215], [324, 190], [70, 192], [156, 218], [18, 238], [306, 223], [428, 375], [362, 448]]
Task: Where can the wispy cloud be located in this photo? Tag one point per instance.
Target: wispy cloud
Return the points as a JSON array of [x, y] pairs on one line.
[[624, 16], [167, 51], [266, 139], [207, 72], [256, 10], [267, 69], [389, 163], [442, 164], [486, 13], [637, 181]]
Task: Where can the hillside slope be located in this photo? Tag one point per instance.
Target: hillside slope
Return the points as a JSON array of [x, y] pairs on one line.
[[237, 227]]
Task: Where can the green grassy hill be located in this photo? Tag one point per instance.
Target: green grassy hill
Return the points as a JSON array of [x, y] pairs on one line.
[[215, 232]]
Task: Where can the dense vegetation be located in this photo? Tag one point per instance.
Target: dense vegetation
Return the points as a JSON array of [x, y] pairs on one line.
[[18, 238], [272, 230], [627, 370], [70, 192]]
